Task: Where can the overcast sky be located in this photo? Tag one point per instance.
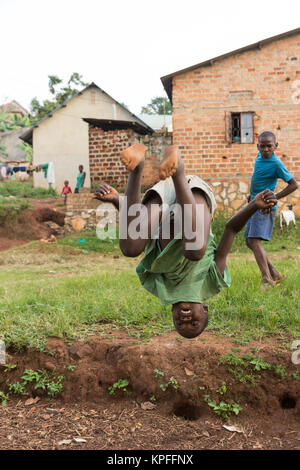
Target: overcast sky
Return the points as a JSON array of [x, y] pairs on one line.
[[125, 46]]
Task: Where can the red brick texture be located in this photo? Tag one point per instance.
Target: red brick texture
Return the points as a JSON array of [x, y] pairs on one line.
[[266, 82], [104, 155]]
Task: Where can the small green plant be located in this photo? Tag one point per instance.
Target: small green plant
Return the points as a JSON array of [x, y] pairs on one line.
[[260, 364], [121, 384], [279, 369], [223, 409], [9, 367], [42, 380], [158, 373], [295, 375], [17, 388], [164, 387], [152, 399], [222, 390], [3, 398], [71, 367], [172, 381], [232, 359], [240, 375]]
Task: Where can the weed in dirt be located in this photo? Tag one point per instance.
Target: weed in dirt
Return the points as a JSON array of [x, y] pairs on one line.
[[158, 373], [295, 375], [42, 379], [279, 370], [71, 367], [121, 384], [4, 398], [232, 359], [152, 399], [241, 376], [223, 389], [223, 409], [8, 367], [18, 388], [172, 382]]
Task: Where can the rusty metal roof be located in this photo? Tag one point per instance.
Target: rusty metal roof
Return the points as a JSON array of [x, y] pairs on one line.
[[167, 79]]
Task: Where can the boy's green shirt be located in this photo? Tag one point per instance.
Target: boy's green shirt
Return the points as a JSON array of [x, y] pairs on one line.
[[173, 278]]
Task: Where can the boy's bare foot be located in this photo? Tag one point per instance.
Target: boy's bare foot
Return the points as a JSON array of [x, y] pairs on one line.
[[133, 156], [171, 162], [267, 281], [277, 276]]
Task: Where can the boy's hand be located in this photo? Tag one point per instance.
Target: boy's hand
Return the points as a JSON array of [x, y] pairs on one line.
[[265, 200], [106, 193]]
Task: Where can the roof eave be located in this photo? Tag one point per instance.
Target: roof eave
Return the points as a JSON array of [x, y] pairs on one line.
[[167, 79]]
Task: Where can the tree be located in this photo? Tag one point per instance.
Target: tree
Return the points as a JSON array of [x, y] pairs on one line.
[[11, 122], [158, 105], [60, 94]]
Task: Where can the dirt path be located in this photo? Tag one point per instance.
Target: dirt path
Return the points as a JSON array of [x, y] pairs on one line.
[[115, 424]]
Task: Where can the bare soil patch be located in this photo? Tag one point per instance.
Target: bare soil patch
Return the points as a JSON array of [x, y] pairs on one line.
[[179, 418], [43, 220]]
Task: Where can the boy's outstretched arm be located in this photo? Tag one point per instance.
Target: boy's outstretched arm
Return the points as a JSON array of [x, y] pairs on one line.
[[264, 200]]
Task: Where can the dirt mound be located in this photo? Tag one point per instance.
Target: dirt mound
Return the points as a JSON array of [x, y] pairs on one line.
[[32, 224], [174, 372], [162, 405]]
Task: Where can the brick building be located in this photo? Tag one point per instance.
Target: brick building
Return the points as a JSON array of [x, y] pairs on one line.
[[108, 138], [220, 106]]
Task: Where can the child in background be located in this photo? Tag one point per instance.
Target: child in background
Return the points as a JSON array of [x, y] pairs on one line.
[[65, 191]]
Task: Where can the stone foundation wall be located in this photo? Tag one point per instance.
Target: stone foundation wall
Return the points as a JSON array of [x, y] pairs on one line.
[[84, 212], [231, 195]]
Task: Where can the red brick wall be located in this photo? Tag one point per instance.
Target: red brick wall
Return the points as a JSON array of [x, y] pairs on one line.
[[203, 97], [104, 155]]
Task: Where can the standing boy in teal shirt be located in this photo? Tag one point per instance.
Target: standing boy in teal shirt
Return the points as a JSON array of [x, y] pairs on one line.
[[267, 169]]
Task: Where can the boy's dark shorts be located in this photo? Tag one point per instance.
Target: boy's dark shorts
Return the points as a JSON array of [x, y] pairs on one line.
[[260, 225]]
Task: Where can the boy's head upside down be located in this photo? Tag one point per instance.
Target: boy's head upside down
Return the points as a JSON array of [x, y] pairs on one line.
[[190, 318]]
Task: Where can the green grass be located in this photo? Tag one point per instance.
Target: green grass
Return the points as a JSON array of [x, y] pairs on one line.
[[25, 190], [55, 290], [88, 241], [11, 208]]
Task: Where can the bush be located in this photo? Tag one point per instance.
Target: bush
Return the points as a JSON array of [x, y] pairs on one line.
[[25, 189]]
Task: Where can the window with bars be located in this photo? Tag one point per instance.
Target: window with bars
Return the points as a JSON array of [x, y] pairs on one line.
[[241, 128]]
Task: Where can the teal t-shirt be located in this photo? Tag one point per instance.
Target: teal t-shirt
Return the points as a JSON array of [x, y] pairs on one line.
[[167, 274], [79, 180], [266, 173]]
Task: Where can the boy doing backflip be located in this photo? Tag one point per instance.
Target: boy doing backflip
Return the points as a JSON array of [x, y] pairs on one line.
[[267, 169], [182, 267]]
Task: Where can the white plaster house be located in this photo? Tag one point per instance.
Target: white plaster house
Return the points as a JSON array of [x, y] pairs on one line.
[[62, 136]]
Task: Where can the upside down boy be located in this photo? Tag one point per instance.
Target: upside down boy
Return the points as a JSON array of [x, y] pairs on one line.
[[185, 267]]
